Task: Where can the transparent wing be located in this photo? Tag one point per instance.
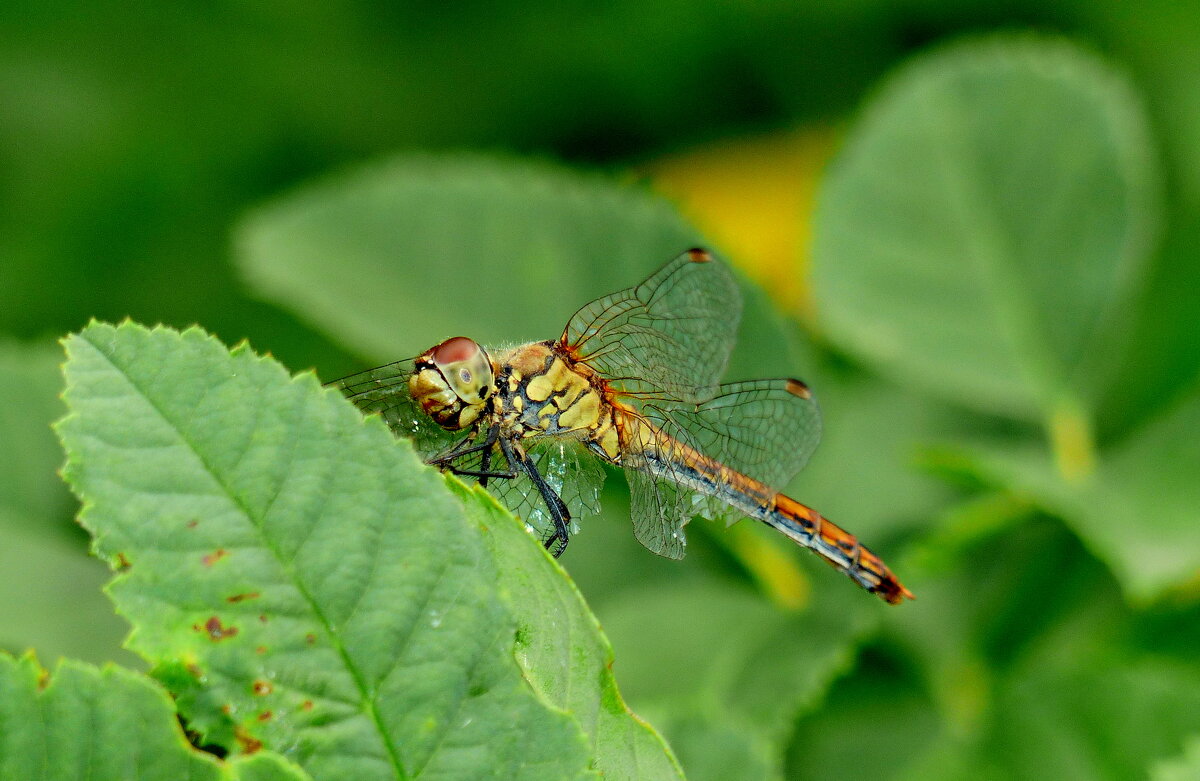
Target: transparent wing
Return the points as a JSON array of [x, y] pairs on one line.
[[660, 509], [764, 429], [669, 337], [574, 473], [384, 391]]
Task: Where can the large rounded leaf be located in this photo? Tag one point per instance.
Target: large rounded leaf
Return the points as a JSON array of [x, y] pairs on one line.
[[401, 255], [301, 579], [985, 223], [398, 255]]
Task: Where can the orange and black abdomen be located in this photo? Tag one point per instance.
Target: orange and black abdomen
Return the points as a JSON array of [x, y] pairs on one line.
[[838, 547]]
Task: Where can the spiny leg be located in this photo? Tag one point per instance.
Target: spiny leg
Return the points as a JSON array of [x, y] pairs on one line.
[[446, 460], [479, 473], [459, 449], [557, 542], [485, 461]]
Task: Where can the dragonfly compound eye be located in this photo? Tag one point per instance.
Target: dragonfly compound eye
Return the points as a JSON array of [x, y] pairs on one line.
[[467, 370]]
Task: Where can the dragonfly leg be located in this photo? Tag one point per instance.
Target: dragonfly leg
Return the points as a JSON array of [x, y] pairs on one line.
[[485, 471], [556, 543], [485, 461], [482, 475], [459, 449]]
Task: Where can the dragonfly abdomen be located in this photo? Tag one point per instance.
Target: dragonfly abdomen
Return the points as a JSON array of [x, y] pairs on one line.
[[797, 521], [837, 546]]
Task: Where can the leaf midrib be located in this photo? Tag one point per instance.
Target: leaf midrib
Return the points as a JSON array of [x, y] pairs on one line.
[[367, 701], [993, 256]]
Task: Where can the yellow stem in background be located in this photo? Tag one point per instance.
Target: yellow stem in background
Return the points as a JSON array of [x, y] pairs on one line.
[[773, 569], [964, 692], [1071, 441]]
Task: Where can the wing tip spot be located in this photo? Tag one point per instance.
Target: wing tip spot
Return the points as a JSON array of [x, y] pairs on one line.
[[699, 255], [798, 388]]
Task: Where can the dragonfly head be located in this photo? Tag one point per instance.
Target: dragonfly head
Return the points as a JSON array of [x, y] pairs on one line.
[[452, 382]]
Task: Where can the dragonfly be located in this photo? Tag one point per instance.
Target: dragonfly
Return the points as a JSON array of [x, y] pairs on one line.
[[634, 382]]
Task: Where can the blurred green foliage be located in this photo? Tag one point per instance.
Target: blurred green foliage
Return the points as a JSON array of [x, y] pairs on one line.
[[1030, 475]]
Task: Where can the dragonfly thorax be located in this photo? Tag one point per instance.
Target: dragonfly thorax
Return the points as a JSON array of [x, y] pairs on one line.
[[452, 382]]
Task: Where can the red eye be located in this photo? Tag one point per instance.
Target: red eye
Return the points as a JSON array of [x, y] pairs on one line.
[[460, 348]]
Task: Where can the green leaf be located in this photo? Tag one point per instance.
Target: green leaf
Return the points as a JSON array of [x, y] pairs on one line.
[[728, 672], [399, 255], [984, 224], [1078, 719], [868, 727], [1023, 591], [1138, 512], [566, 663], [327, 594], [107, 725], [731, 652], [1025, 651], [403, 254], [1162, 353], [715, 747], [1091, 721]]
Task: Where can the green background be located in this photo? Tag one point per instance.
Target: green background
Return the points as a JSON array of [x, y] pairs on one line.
[[1002, 289]]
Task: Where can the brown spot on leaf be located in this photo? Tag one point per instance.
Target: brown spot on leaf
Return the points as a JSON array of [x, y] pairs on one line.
[[249, 743], [306, 705], [262, 617], [212, 558], [310, 638], [193, 524], [265, 715], [216, 631], [262, 649], [235, 598], [122, 562], [43, 679], [194, 669], [261, 688], [227, 709]]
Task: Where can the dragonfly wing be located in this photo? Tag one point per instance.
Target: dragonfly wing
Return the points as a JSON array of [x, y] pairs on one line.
[[764, 429], [384, 391], [573, 473], [660, 509], [670, 336]]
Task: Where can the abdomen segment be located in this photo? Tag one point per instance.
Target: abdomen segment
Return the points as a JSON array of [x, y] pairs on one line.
[[841, 549]]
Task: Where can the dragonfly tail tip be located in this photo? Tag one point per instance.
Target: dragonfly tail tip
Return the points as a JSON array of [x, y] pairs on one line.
[[893, 591]]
